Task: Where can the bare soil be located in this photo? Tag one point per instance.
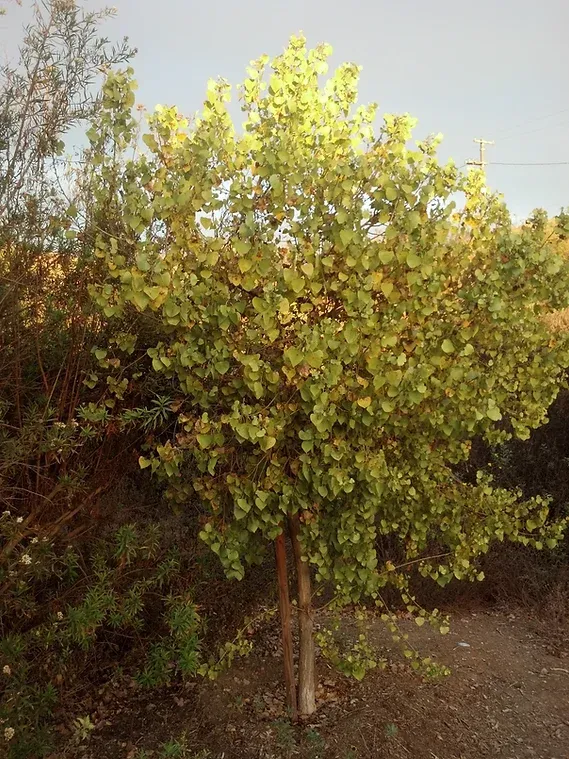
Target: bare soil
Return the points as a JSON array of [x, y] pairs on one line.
[[507, 697]]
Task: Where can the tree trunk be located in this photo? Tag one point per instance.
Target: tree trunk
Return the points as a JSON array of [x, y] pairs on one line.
[[307, 655], [286, 631]]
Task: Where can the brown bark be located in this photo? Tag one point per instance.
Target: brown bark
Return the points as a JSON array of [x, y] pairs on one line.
[[307, 654], [286, 630]]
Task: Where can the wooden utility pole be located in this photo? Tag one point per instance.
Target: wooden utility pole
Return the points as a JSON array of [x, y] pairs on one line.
[[481, 161]]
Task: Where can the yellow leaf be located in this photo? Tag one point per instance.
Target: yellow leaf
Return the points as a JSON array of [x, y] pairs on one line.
[[308, 269]]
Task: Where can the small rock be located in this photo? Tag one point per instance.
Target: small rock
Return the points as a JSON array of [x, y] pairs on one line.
[[462, 644]]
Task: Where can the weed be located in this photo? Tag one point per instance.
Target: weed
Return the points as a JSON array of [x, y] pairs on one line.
[[391, 730], [82, 729], [316, 744], [285, 737]]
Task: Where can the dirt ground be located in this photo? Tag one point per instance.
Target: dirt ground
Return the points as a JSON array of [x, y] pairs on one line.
[[507, 697]]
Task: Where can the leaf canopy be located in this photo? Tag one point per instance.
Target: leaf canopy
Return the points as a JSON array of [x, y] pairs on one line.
[[340, 329]]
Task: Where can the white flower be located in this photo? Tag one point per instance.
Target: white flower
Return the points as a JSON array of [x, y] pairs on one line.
[[59, 615], [34, 540], [59, 424], [26, 559], [9, 733], [6, 670], [19, 520], [5, 513]]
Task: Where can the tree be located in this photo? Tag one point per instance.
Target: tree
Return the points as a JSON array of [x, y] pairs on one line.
[[337, 330], [52, 88], [46, 330]]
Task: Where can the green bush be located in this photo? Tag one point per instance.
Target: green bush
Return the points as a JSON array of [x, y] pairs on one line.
[[59, 603], [337, 328]]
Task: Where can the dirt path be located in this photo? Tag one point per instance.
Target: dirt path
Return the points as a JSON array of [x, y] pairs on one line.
[[507, 697]]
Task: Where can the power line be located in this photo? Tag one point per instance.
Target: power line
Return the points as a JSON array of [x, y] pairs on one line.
[[533, 131], [525, 123], [536, 163]]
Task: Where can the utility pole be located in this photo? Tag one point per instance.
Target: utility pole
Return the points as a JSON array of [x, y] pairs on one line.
[[481, 161]]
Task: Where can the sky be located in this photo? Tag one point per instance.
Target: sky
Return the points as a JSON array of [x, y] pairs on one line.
[[496, 69]]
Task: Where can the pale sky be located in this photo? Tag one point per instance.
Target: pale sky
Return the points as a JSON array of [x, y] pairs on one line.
[[497, 69]]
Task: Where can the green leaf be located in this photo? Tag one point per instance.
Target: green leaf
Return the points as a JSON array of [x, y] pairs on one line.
[[141, 300], [242, 247], [293, 356], [413, 220], [267, 442], [297, 284], [245, 264], [259, 305], [153, 291], [493, 413], [205, 441], [394, 377], [448, 346], [151, 142], [142, 262], [413, 260], [222, 366], [144, 462]]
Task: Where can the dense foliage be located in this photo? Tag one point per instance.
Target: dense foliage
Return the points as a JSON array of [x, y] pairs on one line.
[[303, 319], [337, 327], [62, 593]]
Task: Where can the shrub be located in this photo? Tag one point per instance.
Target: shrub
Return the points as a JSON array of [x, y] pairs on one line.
[[57, 605], [337, 328]]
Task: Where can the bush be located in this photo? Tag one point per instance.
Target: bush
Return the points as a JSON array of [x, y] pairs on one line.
[[129, 596], [337, 329]]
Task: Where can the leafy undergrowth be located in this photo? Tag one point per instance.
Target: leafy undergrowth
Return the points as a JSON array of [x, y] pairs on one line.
[[506, 697], [139, 599]]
